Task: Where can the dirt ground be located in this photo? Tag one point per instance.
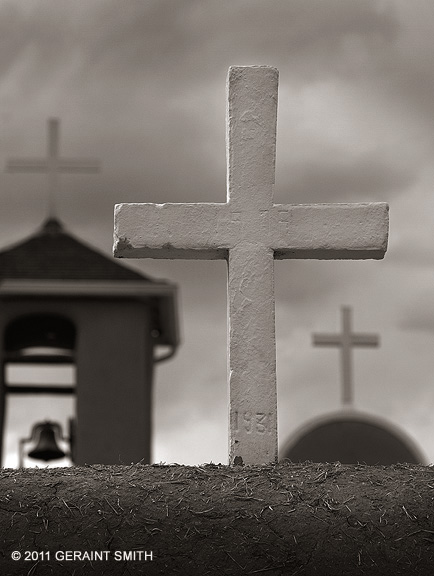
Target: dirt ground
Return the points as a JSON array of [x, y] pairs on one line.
[[285, 519]]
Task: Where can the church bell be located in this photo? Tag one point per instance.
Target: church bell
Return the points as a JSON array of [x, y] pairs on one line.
[[46, 435]]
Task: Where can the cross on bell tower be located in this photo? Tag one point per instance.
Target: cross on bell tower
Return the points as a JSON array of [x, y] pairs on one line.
[[53, 165], [63, 304]]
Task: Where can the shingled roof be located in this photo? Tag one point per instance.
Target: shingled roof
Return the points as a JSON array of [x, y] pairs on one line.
[[53, 254]]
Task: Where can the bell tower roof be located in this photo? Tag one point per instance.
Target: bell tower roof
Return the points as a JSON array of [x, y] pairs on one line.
[[52, 253]]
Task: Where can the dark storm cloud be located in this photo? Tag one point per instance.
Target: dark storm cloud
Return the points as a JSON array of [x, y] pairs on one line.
[[109, 59], [419, 323], [407, 70], [147, 77], [185, 36], [418, 314], [363, 179], [140, 84]]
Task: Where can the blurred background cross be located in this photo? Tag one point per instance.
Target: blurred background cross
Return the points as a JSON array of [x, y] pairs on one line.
[[346, 340], [53, 165]]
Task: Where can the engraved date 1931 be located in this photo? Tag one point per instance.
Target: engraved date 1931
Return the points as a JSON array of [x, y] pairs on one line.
[[252, 422]]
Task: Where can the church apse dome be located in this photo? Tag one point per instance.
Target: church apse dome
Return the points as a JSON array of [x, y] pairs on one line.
[[351, 437]]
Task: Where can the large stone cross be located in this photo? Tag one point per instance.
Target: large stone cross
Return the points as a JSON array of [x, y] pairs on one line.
[[249, 231], [346, 340], [53, 164]]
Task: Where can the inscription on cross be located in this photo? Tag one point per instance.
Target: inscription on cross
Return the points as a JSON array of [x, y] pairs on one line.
[[346, 340], [249, 231], [53, 164]]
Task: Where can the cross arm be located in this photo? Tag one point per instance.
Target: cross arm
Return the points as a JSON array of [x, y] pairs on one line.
[[29, 165], [331, 231], [188, 231], [35, 165], [367, 340], [326, 339], [370, 340]]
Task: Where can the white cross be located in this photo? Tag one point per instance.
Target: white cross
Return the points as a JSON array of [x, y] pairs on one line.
[[53, 164], [345, 341], [249, 231]]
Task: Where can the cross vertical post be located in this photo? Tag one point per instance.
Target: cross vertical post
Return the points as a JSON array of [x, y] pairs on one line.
[[53, 164], [250, 231], [346, 340], [250, 152], [346, 356]]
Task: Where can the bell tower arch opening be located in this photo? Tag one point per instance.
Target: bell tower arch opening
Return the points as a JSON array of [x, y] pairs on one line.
[[40, 336], [39, 377]]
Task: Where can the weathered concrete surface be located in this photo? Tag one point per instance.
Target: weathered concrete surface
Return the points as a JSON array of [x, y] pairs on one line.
[[286, 519], [249, 231]]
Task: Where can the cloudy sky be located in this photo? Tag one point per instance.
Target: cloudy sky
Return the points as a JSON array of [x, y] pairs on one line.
[[140, 84]]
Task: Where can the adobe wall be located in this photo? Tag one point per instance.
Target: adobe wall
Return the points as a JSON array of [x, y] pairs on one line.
[[285, 519]]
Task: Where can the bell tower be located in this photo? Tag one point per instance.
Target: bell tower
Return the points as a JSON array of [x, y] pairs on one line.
[[64, 303]]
